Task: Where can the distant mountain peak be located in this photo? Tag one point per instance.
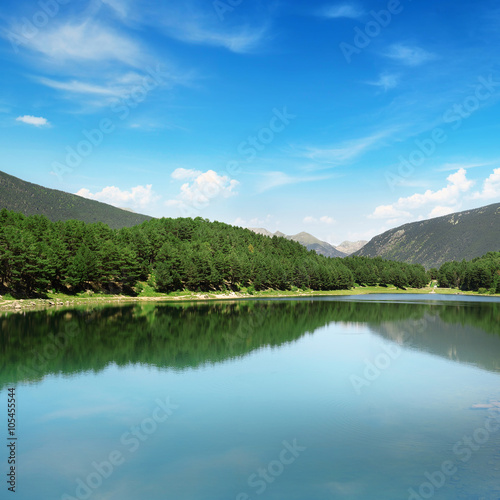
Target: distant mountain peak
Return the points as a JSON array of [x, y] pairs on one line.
[[306, 239], [349, 247]]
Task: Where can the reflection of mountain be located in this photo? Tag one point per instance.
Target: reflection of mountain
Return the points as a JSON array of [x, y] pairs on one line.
[[450, 340], [187, 335]]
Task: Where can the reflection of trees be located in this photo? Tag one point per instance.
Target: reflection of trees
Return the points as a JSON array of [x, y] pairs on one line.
[[188, 335]]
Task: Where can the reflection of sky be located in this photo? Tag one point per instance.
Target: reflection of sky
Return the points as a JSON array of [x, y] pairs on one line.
[[233, 418]]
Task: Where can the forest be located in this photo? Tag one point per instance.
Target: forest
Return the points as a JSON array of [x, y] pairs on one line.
[[37, 256], [480, 274]]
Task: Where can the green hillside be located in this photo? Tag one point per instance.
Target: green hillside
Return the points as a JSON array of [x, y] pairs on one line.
[[454, 237], [30, 199]]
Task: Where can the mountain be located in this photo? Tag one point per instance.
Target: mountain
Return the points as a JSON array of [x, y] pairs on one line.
[[320, 247], [32, 199], [264, 232], [458, 236], [306, 239], [349, 247]]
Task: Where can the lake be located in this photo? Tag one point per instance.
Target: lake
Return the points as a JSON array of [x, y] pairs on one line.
[[361, 397]]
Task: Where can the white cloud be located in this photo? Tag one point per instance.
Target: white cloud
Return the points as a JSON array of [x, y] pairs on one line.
[[203, 188], [185, 173], [276, 179], [411, 56], [120, 7], [78, 87], [347, 10], [449, 195], [184, 21], [344, 152], [93, 56], [244, 40], [327, 220], [139, 196], [441, 202], [439, 211], [386, 81], [388, 212], [321, 220], [128, 87], [37, 121], [87, 41], [269, 222], [491, 187]]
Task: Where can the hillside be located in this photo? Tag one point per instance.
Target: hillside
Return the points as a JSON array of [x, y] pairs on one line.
[[31, 199], [306, 239], [458, 236]]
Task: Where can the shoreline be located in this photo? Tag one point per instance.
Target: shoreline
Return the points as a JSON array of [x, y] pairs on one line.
[[59, 301]]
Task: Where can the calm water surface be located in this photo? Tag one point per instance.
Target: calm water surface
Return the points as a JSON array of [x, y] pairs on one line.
[[333, 398]]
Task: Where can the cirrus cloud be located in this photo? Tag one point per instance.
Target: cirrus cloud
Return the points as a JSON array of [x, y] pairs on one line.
[[86, 41], [386, 81], [346, 10], [409, 55]]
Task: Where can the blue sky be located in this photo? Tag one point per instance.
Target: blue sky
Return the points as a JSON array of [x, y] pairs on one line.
[[340, 119]]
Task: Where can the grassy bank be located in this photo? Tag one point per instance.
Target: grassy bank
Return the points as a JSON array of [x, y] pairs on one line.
[[8, 303]]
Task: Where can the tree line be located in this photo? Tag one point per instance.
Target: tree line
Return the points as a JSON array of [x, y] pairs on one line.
[[373, 271], [479, 274], [37, 255]]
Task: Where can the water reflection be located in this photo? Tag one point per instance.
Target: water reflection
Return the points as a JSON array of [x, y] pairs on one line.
[[216, 390], [187, 335]]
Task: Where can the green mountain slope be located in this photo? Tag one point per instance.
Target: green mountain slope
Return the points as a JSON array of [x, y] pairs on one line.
[[458, 236], [32, 199]]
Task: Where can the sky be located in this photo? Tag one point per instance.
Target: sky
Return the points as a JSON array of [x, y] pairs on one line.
[[341, 119]]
